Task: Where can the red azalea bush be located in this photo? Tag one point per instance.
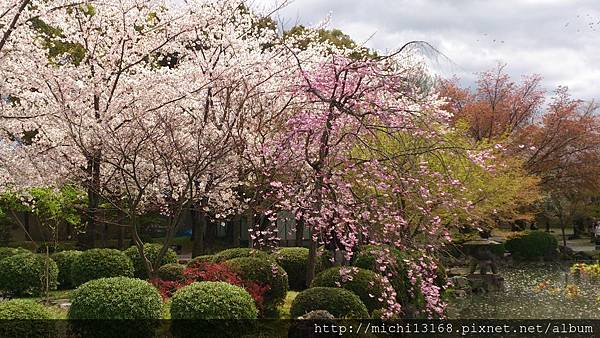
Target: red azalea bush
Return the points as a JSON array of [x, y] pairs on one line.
[[212, 272]]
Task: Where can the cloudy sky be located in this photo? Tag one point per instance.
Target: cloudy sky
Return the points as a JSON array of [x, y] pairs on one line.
[[558, 39]]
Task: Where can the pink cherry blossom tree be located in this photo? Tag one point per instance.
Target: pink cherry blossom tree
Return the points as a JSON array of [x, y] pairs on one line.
[[340, 182]]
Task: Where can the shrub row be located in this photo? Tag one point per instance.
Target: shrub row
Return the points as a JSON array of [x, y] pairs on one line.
[[366, 284], [24, 318], [23, 272], [151, 250], [100, 263], [341, 303], [528, 245], [265, 272], [28, 273]]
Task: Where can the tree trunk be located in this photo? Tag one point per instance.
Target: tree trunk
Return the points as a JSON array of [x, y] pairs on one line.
[[198, 224], [299, 232], [26, 221], [237, 230], [140, 246], [93, 201], [312, 258], [250, 225], [211, 233], [562, 229]]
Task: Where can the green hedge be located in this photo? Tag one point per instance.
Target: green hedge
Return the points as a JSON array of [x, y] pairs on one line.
[[324, 260], [212, 300], [263, 271], [116, 298], [363, 283], [100, 263], [341, 303], [531, 244], [64, 260], [212, 309], [26, 274], [7, 252], [171, 272], [24, 318], [366, 259], [151, 251], [201, 259], [293, 260], [228, 254], [99, 306]]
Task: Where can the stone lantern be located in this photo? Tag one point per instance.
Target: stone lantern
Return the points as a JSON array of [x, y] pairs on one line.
[[484, 254]]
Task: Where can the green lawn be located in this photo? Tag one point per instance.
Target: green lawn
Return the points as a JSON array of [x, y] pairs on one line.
[[284, 310]]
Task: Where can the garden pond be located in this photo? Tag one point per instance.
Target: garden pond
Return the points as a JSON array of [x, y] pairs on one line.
[[534, 291]]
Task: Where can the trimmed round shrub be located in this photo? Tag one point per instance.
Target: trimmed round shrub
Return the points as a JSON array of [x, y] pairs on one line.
[[293, 260], [24, 318], [151, 251], [531, 244], [53, 247], [64, 260], [232, 253], [100, 263], [367, 257], [201, 259], [366, 284], [265, 272], [26, 274], [324, 260], [7, 252], [341, 303], [109, 300], [171, 272], [212, 309], [22, 309], [116, 298], [212, 300]]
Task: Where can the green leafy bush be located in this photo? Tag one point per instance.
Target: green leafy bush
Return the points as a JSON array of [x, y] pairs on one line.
[[100, 263], [265, 272], [64, 260], [366, 284], [54, 247], [7, 252], [341, 303], [293, 260], [195, 307], [201, 259], [367, 257], [531, 244], [324, 260], [232, 253], [26, 274], [151, 251], [24, 318], [171, 272], [22, 309], [212, 300], [116, 298]]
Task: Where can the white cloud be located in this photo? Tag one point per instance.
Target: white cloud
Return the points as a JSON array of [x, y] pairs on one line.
[[558, 39]]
